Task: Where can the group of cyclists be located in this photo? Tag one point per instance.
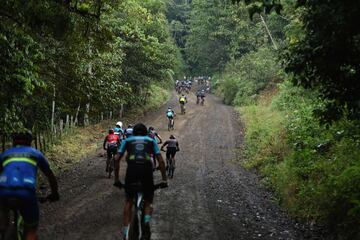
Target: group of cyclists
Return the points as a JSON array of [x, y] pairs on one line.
[[183, 86], [139, 145], [143, 158]]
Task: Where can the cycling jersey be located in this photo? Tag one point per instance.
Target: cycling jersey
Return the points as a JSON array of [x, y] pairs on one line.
[[153, 135], [182, 99], [139, 149], [20, 166], [18, 179], [170, 114], [112, 140], [171, 143], [119, 132], [128, 132]]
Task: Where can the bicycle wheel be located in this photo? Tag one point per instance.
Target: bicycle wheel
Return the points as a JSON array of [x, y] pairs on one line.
[[172, 168], [111, 166], [168, 169]]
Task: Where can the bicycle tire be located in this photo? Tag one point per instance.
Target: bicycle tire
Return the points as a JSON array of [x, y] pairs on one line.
[[111, 165], [134, 226], [172, 168]]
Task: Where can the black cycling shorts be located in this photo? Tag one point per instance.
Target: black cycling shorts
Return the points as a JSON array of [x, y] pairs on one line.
[[139, 178], [170, 152], [111, 150]]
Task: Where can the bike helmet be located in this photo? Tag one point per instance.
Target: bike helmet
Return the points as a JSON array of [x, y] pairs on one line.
[[120, 124], [172, 136], [22, 138], [151, 128], [140, 130], [130, 126], [111, 130]]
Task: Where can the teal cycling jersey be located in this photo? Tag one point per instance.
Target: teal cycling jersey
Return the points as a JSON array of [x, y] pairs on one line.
[[139, 149]]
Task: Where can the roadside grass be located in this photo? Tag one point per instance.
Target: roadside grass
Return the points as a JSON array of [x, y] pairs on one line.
[[81, 142], [314, 169]]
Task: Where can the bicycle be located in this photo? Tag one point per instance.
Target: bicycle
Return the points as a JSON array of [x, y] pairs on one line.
[[137, 224], [202, 101], [15, 229], [182, 107], [171, 124], [110, 165], [170, 166]]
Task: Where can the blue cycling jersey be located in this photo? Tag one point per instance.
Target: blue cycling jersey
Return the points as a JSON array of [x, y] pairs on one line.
[[20, 166]]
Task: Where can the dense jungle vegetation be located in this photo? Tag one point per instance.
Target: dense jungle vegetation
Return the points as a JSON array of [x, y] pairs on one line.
[[292, 70], [290, 67], [66, 63]]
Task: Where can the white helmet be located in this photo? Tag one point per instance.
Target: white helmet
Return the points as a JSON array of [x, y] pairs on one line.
[[120, 124]]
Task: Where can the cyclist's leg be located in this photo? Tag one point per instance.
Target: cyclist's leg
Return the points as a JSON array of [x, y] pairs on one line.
[[148, 183], [29, 210], [127, 211], [108, 158], [173, 162], [130, 177], [4, 216], [167, 159]]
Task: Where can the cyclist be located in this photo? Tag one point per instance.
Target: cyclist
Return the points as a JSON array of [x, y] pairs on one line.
[[18, 173], [129, 131], [170, 114], [202, 96], [111, 143], [171, 149], [139, 170], [198, 96], [182, 101], [118, 130], [154, 135]]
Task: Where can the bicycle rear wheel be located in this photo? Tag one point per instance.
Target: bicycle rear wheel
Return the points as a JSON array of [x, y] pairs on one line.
[[171, 168], [111, 165]]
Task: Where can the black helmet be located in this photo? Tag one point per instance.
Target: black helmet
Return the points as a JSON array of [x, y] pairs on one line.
[[22, 138], [172, 136], [151, 128], [140, 130]]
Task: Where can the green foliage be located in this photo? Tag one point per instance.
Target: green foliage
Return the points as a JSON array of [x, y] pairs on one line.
[[313, 168], [243, 79], [220, 33], [264, 136], [324, 53], [88, 57]]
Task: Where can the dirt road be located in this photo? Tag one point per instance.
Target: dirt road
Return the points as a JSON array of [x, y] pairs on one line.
[[210, 197]]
